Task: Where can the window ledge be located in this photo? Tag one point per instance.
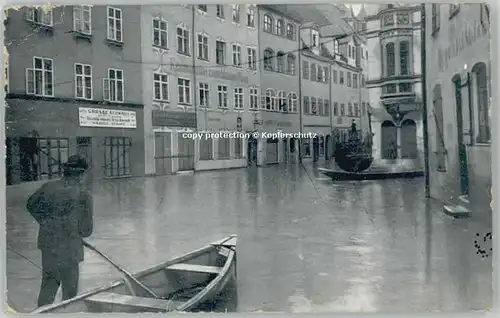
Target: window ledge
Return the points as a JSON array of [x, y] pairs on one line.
[[118, 177], [185, 104], [441, 169], [81, 35], [114, 42], [41, 26], [116, 102], [482, 144], [159, 47], [166, 101], [184, 54]]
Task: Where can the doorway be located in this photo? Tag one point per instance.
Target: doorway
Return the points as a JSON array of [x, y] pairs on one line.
[[462, 150], [163, 153]]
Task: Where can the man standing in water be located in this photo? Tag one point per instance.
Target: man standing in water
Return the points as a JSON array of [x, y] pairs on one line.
[[64, 211]]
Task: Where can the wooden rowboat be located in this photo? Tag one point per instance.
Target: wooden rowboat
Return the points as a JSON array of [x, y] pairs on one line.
[[186, 283]]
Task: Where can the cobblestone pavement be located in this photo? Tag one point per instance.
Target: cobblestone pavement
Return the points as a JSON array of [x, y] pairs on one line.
[[305, 243]]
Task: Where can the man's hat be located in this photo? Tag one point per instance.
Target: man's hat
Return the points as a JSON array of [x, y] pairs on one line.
[[76, 163]]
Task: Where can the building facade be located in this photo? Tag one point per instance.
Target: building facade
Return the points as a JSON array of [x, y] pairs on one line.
[[279, 105], [73, 89], [200, 75], [458, 102], [394, 82]]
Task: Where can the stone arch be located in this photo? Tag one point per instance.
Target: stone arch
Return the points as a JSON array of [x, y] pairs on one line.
[[389, 140], [408, 139]]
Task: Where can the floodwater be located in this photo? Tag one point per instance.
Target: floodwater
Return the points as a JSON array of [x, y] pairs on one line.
[[306, 244]]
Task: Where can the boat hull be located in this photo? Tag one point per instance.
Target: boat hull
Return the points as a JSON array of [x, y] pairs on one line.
[[191, 282]]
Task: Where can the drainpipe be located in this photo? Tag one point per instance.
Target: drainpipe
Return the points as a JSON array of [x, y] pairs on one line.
[[193, 54], [424, 101], [299, 48]]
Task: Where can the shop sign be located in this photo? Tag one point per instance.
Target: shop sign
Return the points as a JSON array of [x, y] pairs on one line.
[[174, 119], [106, 118]]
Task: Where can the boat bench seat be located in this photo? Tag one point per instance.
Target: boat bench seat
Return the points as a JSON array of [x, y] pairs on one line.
[[195, 268], [133, 302]]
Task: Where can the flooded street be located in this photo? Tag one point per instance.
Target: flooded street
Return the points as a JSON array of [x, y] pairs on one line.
[[305, 244]]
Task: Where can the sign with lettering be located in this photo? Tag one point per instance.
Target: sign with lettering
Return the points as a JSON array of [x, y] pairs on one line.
[[173, 119], [222, 72], [464, 38], [106, 118]]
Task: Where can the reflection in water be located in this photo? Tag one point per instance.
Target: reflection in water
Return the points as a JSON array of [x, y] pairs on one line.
[[374, 246]]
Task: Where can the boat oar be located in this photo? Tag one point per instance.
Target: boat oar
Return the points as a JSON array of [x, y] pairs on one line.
[[128, 276]]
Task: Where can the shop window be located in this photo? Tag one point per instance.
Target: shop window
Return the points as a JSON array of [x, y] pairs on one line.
[[206, 148], [223, 150], [117, 156]]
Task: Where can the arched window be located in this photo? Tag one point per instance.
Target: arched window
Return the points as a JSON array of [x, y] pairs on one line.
[[404, 57], [290, 64], [281, 102], [268, 23], [292, 102], [280, 27], [482, 103], [281, 62], [290, 31], [270, 99], [335, 109], [269, 59], [390, 59]]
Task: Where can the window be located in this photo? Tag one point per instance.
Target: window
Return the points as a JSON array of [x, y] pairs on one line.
[[356, 110], [290, 64], [238, 148], [341, 80], [305, 102], [206, 148], [268, 23], [83, 81], [254, 98], [117, 156], [314, 72], [40, 16], [315, 38], [389, 89], [82, 19], [362, 80], [336, 50], [222, 96], [115, 24], [281, 102], [182, 41], [290, 31], [314, 106], [236, 13], [160, 33], [326, 105], [40, 78], [349, 79], [293, 102], [326, 72], [204, 94], [320, 107], [436, 23], [335, 109], [349, 110], [363, 109], [184, 87], [251, 16], [160, 84], [236, 55], [335, 76], [270, 99], [281, 62], [220, 53], [203, 47], [52, 153], [268, 60], [482, 100], [220, 11], [202, 7], [305, 70], [391, 60], [355, 80], [223, 149], [113, 86], [238, 98], [280, 27], [252, 58], [405, 87], [342, 109], [404, 56]]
